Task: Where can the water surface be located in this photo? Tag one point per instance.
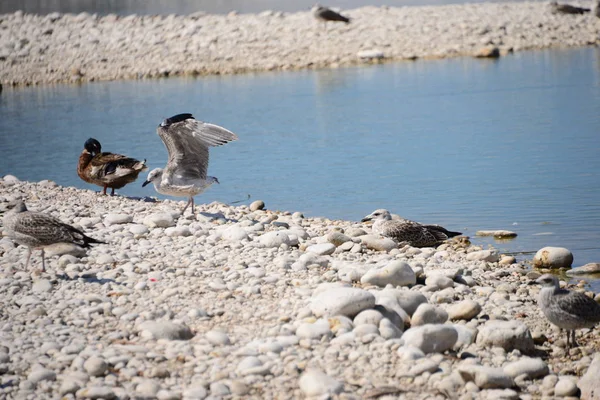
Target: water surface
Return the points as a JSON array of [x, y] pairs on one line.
[[470, 144]]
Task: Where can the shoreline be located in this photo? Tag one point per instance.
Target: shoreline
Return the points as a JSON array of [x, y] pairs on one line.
[[63, 48], [255, 303]]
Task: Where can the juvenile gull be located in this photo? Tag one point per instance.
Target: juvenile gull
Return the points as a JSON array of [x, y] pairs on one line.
[[38, 231], [325, 14], [107, 169], [187, 140], [556, 8], [409, 232], [566, 309]]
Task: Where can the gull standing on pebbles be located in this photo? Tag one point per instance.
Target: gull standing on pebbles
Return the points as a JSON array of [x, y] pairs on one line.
[[325, 14], [38, 231], [566, 309], [187, 140], [406, 231]]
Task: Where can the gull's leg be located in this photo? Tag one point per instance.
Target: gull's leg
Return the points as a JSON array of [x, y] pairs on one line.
[[186, 206], [104, 191], [29, 251], [573, 341], [43, 262], [112, 192], [192, 200]]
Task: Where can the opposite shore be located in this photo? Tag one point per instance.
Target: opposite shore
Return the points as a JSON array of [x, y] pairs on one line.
[[54, 48]]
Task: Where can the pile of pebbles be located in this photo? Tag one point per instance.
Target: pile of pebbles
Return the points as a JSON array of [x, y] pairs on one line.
[[57, 47], [248, 302]]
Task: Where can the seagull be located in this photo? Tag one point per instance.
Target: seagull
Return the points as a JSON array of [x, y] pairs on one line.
[[326, 14], [187, 140], [556, 8], [38, 231], [107, 169], [406, 231], [566, 309]]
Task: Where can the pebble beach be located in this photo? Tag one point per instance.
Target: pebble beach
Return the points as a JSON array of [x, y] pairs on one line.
[[42, 49], [247, 302]]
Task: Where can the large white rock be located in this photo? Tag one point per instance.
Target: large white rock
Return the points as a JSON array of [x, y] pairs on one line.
[[588, 384], [428, 314], [483, 255], [114, 219], [378, 243], [322, 249], [396, 273], [431, 338], [164, 330], [466, 310], [162, 220], [234, 233], [315, 383], [274, 239], [466, 336], [316, 330], [553, 257], [342, 301], [486, 377], [509, 335], [532, 367]]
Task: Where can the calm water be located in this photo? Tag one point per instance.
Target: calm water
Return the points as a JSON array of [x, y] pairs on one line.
[[470, 144], [191, 6]]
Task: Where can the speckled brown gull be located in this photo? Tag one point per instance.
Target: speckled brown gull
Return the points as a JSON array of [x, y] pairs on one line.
[[325, 14], [566, 309], [38, 231], [409, 232], [187, 140]]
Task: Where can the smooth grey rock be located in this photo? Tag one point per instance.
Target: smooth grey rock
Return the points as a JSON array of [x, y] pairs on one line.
[[234, 233], [372, 54], [96, 392], [274, 239], [408, 300], [589, 268], [95, 366], [439, 281], [162, 220], [115, 219], [533, 368], [338, 238], [41, 286], [466, 336], [342, 301], [588, 384], [195, 393], [68, 386], [178, 231], [566, 387], [316, 383], [316, 330], [431, 338], [410, 353], [147, 388], [486, 377], [257, 205], [369, 316], [396, 273], [165, 330], [219, 338], [428, 314], [378, 243], [509, 335], [388, 330], [41, 374], [138, 229], [553, 257], [483, 255], [464, 310], [322, 249]]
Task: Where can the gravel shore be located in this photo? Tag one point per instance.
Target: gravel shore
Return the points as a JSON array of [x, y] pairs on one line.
[[246, 302], [53, 48]]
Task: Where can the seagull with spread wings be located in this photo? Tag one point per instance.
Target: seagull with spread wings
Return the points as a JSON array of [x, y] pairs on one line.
[[187, 140]]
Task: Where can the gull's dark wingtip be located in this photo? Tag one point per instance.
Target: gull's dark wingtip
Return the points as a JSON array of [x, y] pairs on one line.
[[176, 118]]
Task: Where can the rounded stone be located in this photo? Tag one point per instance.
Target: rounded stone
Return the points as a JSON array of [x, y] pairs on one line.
[[95, 366], [553, 257], [257, 205], [395, 273], [465, 310], [565, 387], [428, 314], [431, 338], [342, 301], [315, 383]]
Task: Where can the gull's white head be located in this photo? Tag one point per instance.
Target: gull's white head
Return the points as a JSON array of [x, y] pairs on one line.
[[154, 176], [378, 215], [548, 281]]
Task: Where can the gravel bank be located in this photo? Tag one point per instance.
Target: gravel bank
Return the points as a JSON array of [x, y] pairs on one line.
[[74, 48], [262, 304]]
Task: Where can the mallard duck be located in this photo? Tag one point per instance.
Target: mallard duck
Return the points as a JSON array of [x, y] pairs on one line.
[[107, 169], [406, 231]]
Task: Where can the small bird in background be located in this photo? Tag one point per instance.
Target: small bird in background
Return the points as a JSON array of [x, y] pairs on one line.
[[39, 231], [187, 140], [325, 14], [405, 231], [556, 8], [107, 169], [566, 309]]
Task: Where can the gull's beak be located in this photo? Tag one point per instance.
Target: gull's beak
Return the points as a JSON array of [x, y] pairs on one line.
[[365, 219], [216, 180], [145, 183]]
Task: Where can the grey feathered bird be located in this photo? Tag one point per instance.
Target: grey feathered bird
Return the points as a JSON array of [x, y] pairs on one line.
[[556, 8], [566, 309], [38, 231], [326, 14], [406, 231], [187, 140]]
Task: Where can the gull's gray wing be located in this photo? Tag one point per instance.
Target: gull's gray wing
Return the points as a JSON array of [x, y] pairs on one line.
[[187, 140]]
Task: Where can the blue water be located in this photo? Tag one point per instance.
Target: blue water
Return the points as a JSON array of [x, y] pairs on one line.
[[470, 144]]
